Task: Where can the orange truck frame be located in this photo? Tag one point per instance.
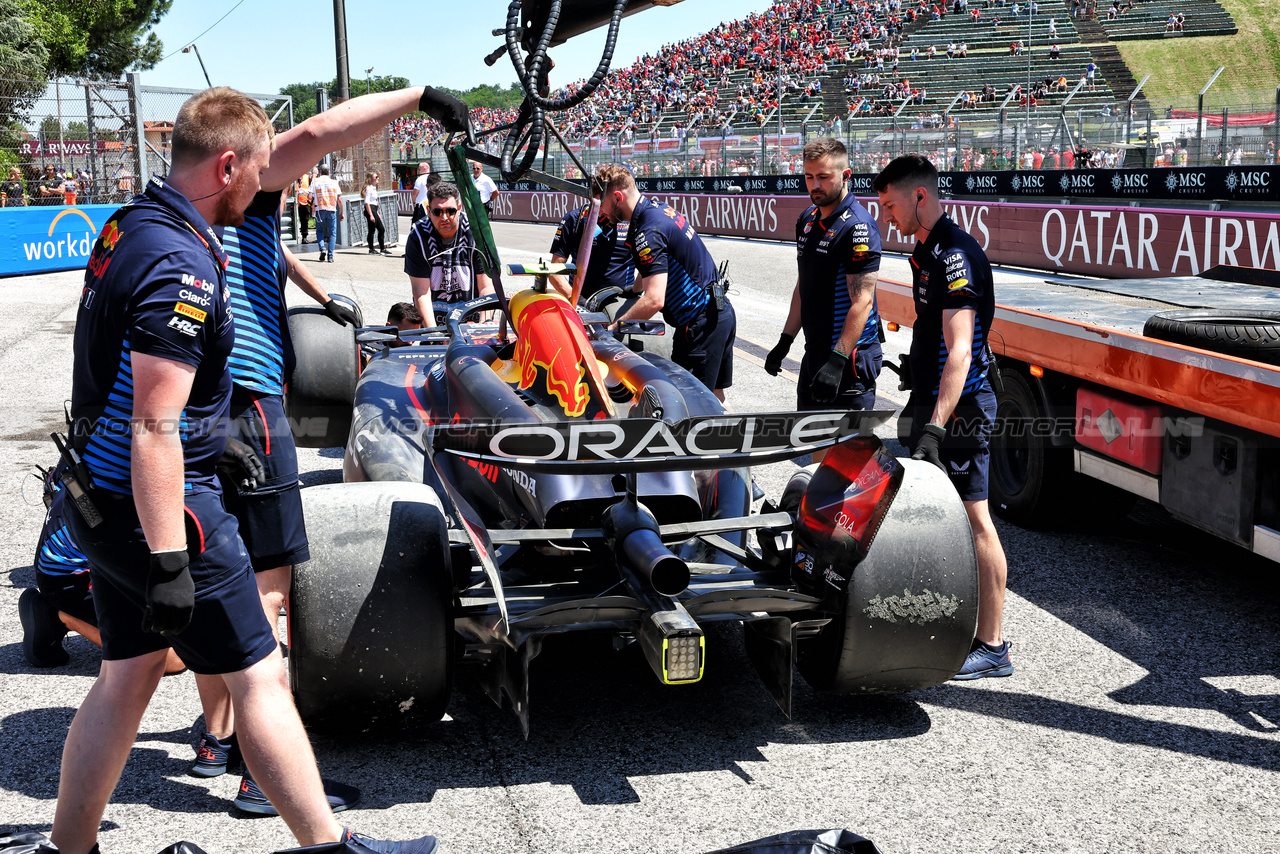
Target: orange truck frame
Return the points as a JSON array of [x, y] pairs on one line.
[[1087, 394]]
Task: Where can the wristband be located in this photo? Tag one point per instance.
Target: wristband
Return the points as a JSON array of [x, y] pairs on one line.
[[936, 431], [838, 353]]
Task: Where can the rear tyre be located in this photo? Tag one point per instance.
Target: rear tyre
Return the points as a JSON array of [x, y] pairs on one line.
[[323, 386], [371, 639], [911, 608], [1028, 475]]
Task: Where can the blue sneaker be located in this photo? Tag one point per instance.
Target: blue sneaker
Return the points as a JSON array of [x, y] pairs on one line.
[[358, 843], [250, 798], [213, 756], [983, 661]]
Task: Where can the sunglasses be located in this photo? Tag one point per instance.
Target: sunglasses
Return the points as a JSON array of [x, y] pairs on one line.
[[444, 211]]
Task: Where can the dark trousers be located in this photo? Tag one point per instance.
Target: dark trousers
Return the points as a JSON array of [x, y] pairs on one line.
[[304, 221], [375, 222]]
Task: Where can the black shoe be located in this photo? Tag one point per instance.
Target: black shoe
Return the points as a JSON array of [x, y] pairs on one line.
[[250, 798], [214, 757], [42, 631], [323, 257], [387, 252], [373, 252]]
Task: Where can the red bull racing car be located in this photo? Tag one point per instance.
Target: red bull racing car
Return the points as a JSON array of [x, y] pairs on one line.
[[504, 483]]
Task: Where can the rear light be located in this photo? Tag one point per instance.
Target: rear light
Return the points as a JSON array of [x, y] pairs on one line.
[[843, 507]]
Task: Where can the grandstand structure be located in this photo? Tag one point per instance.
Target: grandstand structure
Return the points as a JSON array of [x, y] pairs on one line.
[[1149, 19]]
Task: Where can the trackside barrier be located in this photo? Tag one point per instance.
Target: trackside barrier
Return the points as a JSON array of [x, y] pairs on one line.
[[1100, 240], [45, 239]]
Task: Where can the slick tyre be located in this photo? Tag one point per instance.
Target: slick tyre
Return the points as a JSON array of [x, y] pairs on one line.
[[911, 608], [1253, 335], [371, 639], [323, 386]]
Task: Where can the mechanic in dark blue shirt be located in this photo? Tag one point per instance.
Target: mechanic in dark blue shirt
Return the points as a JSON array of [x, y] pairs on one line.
[[834, 301], [611, 264], [677, 277], [150, 395], [952, 406]]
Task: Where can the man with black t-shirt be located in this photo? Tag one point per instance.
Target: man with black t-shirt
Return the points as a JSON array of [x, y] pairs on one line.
[[952, 406], [441, 257], [834, 301]]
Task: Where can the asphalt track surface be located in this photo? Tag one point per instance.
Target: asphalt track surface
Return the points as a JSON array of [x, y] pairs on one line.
[[1142, 715]]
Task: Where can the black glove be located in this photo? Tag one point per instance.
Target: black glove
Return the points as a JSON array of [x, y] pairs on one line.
[[447, 110], [927, 447], [773, 361], [340, 312], [242, 465], [826, 382], [171, 594]]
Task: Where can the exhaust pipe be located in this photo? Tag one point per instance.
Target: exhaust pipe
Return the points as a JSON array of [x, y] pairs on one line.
[[645, 561]]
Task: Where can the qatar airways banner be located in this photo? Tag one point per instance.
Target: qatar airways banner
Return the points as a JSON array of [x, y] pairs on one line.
[[1117, 242]]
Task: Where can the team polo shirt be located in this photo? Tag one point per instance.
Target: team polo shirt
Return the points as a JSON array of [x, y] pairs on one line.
[[58, 553], [847, 243], [155, 284], [611, 263], [262, 359], [662, 241], [949, 270]]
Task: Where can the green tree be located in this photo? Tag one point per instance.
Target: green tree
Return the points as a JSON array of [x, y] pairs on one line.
[[97, 39], [304, 94]]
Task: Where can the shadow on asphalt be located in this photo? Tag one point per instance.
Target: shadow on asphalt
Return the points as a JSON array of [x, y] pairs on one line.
[[599, 718], [1187, 607]]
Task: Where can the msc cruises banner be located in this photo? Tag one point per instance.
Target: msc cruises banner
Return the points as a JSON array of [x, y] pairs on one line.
[[44, 239], [1100, 240], [1222, 183]]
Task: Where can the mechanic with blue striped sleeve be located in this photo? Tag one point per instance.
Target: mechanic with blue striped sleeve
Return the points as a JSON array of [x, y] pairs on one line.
[[834, 301], [952, 406], [611, 264], [678, 277]]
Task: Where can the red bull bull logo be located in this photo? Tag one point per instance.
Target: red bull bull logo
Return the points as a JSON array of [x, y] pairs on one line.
[[549, 336]]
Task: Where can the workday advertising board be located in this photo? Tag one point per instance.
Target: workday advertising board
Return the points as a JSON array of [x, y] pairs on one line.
[[45, 239], [1099, 240]]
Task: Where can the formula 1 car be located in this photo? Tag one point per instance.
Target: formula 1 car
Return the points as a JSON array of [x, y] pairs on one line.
[[499, 488]]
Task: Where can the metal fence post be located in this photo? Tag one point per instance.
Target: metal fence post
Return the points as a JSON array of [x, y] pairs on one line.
[[1275, 131], [1222, 149], [134, 81], [93, 145]]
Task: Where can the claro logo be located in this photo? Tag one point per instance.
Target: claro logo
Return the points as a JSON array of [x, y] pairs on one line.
[[73, 242]]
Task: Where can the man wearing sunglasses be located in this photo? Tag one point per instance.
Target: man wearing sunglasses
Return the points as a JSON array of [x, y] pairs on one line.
[[441, 256]]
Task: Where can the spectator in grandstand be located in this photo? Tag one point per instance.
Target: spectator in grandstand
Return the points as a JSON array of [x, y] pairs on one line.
[[963, 50], [1054, 51], [1017, 10], [951, 50], [13, 192], [1179, 22], [440, 254], [1053, 28], [1169, 24]]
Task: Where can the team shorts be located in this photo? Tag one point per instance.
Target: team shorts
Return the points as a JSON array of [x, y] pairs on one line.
[[965, 450], [704, 347], [857, 385], [70, 594], [270, 515], [228, 630]]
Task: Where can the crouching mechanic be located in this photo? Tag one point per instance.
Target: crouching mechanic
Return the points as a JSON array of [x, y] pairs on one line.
[[150, 395], [678, 277], [834, 301], [952, 407]]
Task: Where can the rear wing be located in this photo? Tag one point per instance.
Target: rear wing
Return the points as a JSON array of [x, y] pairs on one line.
[[626, 445]]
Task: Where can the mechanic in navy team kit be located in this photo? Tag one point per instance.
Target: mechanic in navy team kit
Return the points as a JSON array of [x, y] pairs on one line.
[[678, 277], [952, 407], [611, 264], [150, 397], [834, 301], [269, 511]]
